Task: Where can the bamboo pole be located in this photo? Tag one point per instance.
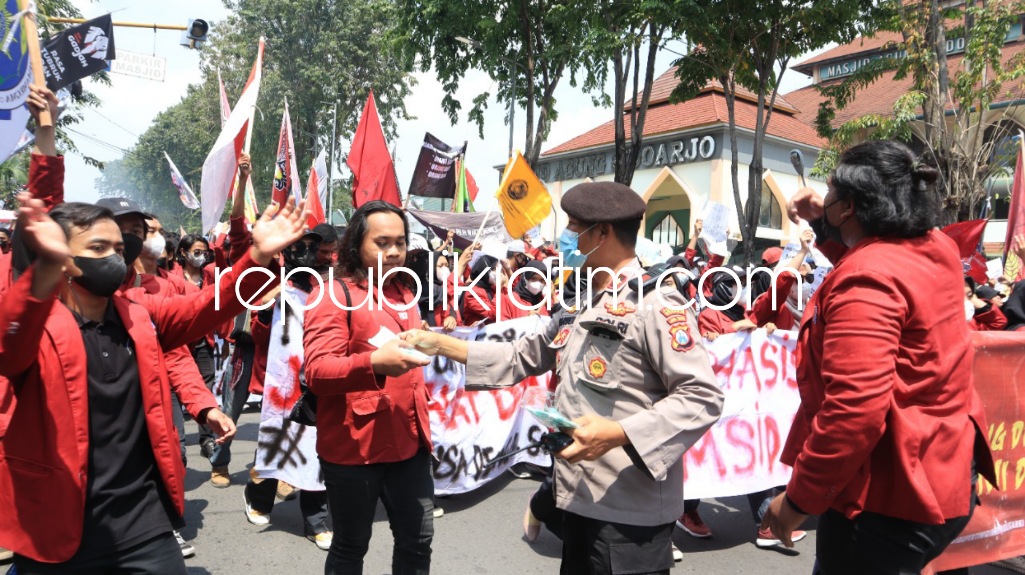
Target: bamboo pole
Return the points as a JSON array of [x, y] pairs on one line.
[[28, 23]]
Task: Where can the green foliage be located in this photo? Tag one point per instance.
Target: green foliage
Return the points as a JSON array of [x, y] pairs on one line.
[[534, 43], [13, 177], [749, 45], [947, 112], [317, 53]]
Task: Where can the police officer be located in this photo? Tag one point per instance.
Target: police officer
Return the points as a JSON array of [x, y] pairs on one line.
[[633, 376]]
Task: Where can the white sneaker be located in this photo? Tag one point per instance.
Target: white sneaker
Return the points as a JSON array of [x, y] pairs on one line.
[[677, 554], [323, 540], [187, 549], [254, 516], [438, 512], [6, 554]]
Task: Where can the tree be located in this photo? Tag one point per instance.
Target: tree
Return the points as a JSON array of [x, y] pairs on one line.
[[956, 142], [630, 35], [749, 45], [534, 43], [317, 53]]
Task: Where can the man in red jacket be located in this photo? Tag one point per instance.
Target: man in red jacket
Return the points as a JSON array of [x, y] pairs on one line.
[[90, 426]]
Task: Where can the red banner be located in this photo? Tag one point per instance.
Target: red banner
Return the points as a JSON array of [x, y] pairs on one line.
[[997, 529]]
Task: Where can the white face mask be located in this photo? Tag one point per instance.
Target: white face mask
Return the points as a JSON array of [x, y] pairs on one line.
[[443, 273], [154, 246], [197, 262], [493, 277], [969, 310], [535, 287]]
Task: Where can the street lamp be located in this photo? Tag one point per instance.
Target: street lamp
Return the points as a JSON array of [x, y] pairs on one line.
[[512, 99]]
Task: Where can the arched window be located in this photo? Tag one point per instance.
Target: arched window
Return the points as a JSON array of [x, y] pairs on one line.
[[771, 213], [667, 231]]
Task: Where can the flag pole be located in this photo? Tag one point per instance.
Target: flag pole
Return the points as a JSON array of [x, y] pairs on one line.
[[35, 56]]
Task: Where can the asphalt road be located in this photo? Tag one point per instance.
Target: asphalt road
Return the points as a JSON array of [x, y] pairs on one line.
[[480, 533]]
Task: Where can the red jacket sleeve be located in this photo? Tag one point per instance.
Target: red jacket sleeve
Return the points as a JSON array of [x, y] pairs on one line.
[[46, 179], [474, 310], [22, 318], [187, 382], [184, 319], [991, 320], [864, 312], [330, 368], [260, 333], [766, 309], [239, 237]]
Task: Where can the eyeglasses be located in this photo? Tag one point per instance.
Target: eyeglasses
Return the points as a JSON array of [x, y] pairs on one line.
[[198, 253]]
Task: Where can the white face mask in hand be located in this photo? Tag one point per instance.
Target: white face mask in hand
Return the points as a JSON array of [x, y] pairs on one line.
[[969, 310]]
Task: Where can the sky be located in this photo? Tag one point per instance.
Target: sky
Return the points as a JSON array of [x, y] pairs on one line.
[[130, 104]]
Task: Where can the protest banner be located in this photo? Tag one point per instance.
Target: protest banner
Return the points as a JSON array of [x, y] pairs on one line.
[[465, 225], [471, 428], [286, 450], [78, 52], [740, 453], [997, 528], [715, 222], [15, 79], [434, 175]]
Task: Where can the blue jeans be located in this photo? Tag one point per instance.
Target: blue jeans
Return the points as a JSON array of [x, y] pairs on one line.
[[234, 393], [407, 490]]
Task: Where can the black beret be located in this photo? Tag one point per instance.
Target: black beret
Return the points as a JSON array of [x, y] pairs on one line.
[[600, 202]]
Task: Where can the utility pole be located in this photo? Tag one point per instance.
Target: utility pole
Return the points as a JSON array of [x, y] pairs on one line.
[[122, 24], [331, 165]]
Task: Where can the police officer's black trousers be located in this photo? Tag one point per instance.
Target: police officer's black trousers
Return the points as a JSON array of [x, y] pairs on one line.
[[594, 547]]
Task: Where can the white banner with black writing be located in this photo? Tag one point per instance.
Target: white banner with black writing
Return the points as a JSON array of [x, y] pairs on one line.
[[286, 450], [471, 428]]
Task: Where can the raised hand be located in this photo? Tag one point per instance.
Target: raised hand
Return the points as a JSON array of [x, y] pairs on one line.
[[806, 205], [42, 235], [273, 233], [807, 238], [41, 98], [245, 167]]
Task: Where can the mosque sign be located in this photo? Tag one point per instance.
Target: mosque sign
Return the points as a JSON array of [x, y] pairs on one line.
[[848, 67], [655, 154]]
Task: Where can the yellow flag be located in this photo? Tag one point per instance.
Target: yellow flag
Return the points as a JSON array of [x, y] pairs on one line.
[[524, 199]]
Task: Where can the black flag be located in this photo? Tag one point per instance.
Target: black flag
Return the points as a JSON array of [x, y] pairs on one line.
[[78, 52], [435, 174]]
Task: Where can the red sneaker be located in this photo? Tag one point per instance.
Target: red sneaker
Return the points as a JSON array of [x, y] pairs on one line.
[[691, 522], [767, 539]]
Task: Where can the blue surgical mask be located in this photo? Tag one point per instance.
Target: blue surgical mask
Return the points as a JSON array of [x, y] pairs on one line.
[[571, 256]]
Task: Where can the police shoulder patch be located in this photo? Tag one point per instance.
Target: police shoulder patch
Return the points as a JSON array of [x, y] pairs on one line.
[[680, 337]]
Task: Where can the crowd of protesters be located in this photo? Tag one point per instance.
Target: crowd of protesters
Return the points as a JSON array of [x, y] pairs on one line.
[[110, 336]]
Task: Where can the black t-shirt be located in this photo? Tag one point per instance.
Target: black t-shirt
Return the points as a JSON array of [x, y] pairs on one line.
[[126, 503]]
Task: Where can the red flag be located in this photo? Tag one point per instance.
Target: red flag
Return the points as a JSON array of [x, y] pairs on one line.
[[967, 236], [1014, 269], [471, 187], [286, 172], [315, 209], [372, 169]]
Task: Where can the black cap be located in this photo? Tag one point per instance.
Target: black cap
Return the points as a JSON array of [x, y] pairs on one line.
[[121, 207], [313, 235], [601, 202], [986, 293]]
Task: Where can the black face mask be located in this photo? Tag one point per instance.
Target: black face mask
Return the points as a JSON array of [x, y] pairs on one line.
[[133, 247], [101, 276], [826, 230], [295, 259]]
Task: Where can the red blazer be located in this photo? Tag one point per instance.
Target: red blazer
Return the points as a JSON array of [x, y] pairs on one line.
[[44, 454], [991, 320], [714, 321], [472, 310], [510, 309], [889, 413], [362, 417], [183, 375]]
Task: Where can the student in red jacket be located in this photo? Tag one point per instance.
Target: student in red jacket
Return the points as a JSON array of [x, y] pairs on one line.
[[91, 425], [780, 309], [528, 292], [373, 433], [478, 303], [888, 436], [982, 315]]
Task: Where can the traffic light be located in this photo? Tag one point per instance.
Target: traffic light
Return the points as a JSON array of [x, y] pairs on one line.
[[196, 33]]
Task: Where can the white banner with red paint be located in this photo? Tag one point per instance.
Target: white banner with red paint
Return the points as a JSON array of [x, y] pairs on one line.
[[472, 428], [740, 454], [286, 450]]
